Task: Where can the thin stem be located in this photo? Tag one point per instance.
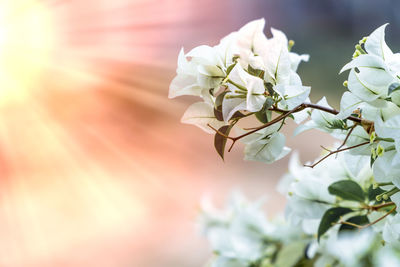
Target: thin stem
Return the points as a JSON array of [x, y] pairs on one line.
[[285, 114], [379, 206], [348, 135], [379, 219], [371, 223], [334, 152]]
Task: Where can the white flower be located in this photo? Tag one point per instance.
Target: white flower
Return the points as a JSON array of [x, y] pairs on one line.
[[266, 145], [308, 197], [391, 231], [201, 114], [248, 96], [323, 121], [204, 67], [369, 110], [185, 83], [238, 233], [387, 256], [373, 73], [350, 248], [292, 95]]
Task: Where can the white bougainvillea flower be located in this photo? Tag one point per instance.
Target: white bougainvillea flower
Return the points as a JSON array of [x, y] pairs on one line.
[[238, 234], [370, 110], [278, 67], [391, 231], [250, 41], [185, 83], [387, 256], [371, 74], [202, 113], [376, 44], [204, 67], [245, 93], [307, 188], [350, 248], [292, 95], [323, 121], [389, 165], [266, 145]]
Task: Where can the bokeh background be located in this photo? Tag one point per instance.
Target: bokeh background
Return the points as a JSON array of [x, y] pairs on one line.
[[95, 167]]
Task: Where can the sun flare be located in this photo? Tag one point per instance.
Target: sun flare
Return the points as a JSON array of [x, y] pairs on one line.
[[26, 40]]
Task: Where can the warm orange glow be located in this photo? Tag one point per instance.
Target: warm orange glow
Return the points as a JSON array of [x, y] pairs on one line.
[[95, 167], [26, 40]]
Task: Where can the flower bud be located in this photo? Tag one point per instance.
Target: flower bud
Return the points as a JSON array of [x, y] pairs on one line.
[[290, 45]]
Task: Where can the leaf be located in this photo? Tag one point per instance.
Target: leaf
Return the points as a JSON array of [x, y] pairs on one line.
[[220, 141], [330, 217], [256, 72], [270, 88], [218, 106], [347, 189], [229, 69], [336, 124], [218, 114], [237, 115], [393, 87], [264, 115], [359, 220], [220, 98], [290, 254]]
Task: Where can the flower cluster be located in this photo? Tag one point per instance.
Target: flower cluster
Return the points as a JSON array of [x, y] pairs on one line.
[[342, 209], [245, 74]]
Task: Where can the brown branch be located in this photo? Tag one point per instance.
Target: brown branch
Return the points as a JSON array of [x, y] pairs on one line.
[[379, 219], [334, 152], [379, 206], [285, 114], [374, 222], [348, 135]]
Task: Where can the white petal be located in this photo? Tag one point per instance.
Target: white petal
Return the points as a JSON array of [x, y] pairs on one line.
[[231, 105], [295, 60], [376, 44], [365, 61], [389, 128], [348, 104], [184, 84], [267, 150], [201, 114]]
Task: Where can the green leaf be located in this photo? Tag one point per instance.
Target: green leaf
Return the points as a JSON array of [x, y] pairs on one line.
[[237, 115], [359, 220], [218, 106], [218, 114], [393, 87], [229, 69], [336, 124], [220, 141], [219, 99], [256, 72], [347, 189], [264, 115], [270, 88], [330, 217], [290, 254]]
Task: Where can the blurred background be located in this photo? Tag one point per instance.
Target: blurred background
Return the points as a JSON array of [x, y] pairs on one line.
[[95, 167]]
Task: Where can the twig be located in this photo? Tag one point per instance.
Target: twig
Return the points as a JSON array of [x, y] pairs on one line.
[[284, 115], [334, 152], [347, 136], [379, 206], [371, 223], [380, 219]]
